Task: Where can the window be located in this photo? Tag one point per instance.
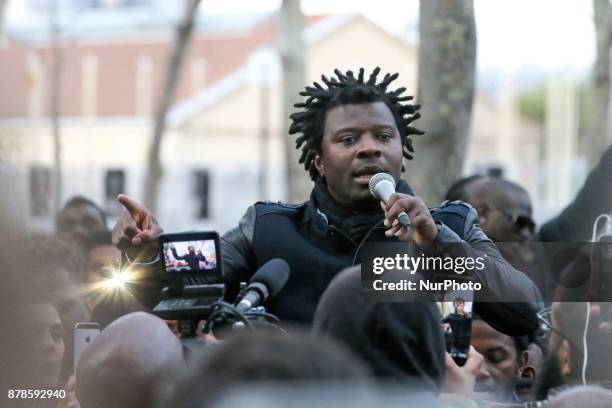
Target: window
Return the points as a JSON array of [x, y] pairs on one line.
[[202, 187], [40, 191], [114, 184], [495, 171]]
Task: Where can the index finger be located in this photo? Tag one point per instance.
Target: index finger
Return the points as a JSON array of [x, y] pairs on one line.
[[131, 206], [399, 196], [408, 204]]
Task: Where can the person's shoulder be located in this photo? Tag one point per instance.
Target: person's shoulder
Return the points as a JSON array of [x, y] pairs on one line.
[[278, 207], [459, 216], [456, 206]]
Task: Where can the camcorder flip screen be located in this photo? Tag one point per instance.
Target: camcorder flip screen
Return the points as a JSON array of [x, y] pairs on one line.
[[191, 254]]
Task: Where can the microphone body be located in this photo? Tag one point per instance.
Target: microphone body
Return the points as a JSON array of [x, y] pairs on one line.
[[382, 186], [256, 294], [267, 282]]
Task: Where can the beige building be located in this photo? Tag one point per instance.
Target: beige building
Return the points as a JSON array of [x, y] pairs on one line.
[[228, 95]]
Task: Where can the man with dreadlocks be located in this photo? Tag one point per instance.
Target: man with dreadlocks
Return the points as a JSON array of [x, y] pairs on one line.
[[348, 130]]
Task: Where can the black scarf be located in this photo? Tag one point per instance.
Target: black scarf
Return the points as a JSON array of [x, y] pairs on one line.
[[354, 224]]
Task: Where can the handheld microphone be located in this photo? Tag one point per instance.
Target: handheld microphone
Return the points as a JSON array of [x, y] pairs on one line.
[[382, 186], [267, 282]]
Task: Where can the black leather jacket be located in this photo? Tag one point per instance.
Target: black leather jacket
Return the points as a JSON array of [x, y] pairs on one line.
[[499, 277], [509, 285]]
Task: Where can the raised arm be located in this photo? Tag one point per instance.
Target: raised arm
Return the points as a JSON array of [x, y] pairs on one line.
[[575, 223], [135, 234]]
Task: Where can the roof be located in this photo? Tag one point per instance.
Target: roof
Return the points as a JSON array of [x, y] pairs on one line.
[[222, 52], [250, 72]]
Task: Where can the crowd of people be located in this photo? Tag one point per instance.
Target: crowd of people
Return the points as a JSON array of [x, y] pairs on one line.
[[335, 347]]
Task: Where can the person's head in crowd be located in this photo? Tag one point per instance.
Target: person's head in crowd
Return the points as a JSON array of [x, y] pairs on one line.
[[78, 219], [565, 363], [583, 397], [402, 342], [100, 254], [263, 358], [45, 348], [105, 303], [504, 207], [58, 267], [128, 363], [351, 129], [463, 189], [459, 306], [511, 363], [32, 345]]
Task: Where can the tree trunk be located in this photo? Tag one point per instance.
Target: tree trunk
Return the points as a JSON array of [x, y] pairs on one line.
[[447, 65], [291, 49], [55, 105], [599, 100], [264, 136], [3, 4], [183, 34]]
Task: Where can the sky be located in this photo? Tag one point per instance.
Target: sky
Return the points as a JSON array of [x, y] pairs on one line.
[[549, 35]]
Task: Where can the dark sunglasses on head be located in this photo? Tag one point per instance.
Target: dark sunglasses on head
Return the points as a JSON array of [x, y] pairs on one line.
[[546, 327]]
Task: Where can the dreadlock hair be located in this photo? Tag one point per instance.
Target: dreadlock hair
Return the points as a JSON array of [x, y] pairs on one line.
[[343, 90]]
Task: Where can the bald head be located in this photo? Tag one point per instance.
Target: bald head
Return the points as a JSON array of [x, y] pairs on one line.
[[585, 397], [504, 209], [478, 189], [494, 188], [127, 363], [463, 188]]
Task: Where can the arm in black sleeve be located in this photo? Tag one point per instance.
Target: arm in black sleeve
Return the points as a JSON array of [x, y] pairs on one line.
[[513, 316], [575, 223], [237, 253], [176, 256], [237, 258]]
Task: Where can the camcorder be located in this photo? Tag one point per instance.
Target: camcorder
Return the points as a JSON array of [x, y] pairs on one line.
[[192, 267], [191, 263]]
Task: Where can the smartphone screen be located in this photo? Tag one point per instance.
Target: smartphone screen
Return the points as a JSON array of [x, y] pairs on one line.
[[457, 326], [84, 333]]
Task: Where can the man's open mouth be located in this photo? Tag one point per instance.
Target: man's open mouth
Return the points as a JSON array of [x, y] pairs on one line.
[[365, 173]]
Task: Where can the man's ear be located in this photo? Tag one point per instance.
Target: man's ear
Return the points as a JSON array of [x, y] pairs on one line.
[[482, 210], [524, 360], [565, 358], [318, 162], [526, 370]]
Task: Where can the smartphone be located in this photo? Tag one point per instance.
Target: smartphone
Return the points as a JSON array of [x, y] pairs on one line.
[[84, 333], [457, 324]]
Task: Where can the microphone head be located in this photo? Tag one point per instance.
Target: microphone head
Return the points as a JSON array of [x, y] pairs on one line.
[[273, 274], [376, 180]]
